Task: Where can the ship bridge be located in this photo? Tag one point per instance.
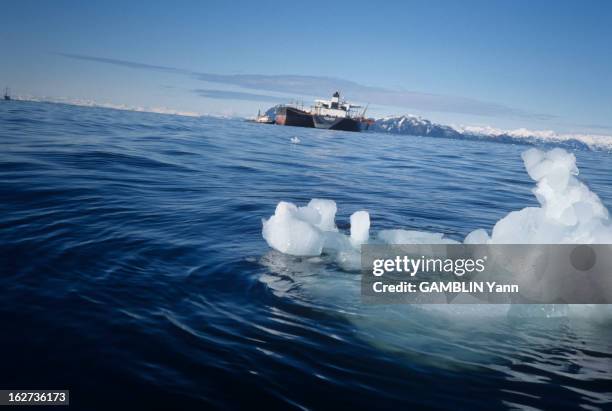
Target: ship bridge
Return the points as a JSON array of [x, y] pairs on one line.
[[334, 107]]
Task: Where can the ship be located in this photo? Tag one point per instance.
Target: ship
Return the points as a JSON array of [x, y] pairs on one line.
[[7, 95], [264, 118], [334, 114], [293, 116], [337, 114]]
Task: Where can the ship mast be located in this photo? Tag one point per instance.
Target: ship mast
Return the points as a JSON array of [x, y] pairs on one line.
[[364, 110]]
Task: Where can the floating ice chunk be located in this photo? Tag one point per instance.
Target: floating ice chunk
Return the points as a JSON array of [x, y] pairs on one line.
[[292, 231], [305, 231], [311, 231], [569, 211], [360, 228]]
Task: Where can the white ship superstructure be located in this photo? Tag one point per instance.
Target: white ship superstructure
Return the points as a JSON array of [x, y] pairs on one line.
[[336, 114], [334, 107]]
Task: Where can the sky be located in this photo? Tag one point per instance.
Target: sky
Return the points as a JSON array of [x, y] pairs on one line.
[[508, 64]]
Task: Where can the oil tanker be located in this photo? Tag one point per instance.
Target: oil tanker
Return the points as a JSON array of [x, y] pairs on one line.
[[334, 114]]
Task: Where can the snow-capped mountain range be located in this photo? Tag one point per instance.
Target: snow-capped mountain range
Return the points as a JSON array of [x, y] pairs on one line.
[[413, 125], [417, 126]]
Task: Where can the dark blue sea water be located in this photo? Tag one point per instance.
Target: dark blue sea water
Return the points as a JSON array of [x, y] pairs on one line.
[[134, 273]]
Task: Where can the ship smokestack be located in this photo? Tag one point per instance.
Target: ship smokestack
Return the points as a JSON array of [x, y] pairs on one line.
[[335, 101]]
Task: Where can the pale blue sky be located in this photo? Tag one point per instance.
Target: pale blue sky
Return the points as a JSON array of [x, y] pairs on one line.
[[535, 64]]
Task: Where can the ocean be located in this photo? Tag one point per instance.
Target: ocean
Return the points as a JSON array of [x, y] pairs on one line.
[[134, 272]]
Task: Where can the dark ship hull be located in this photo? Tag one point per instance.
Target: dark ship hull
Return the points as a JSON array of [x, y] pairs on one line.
[[290, 116], [336, 123]]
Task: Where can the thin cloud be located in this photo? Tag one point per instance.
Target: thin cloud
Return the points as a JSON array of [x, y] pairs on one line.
[[125, 63], [236, 95], [322, 86]]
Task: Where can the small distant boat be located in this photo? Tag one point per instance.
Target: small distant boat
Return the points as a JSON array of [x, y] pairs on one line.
[[7, 95], [263, 118]]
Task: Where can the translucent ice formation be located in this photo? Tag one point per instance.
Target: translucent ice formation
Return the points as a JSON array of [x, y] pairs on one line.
[[300, 230], [311, 230], [569, 213], [360, 228]]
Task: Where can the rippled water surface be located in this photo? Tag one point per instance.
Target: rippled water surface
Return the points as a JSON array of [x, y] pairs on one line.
[[134, 271]]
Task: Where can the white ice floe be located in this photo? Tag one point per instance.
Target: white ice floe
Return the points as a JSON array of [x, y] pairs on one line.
[[293, 230], [568, 213], [311, 230]]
